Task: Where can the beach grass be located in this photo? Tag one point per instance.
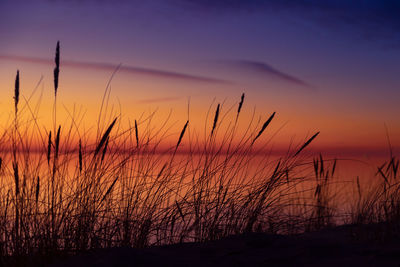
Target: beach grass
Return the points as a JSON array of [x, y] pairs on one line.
[[60, 192]]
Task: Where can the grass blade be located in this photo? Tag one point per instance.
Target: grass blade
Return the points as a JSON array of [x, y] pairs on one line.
[[109, 189], [105, 149], [180, 211], [16, 178], [80, 155]]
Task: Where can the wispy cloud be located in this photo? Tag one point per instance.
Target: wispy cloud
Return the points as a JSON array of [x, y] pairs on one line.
[[123, 68], [158, 100], [265, 69]]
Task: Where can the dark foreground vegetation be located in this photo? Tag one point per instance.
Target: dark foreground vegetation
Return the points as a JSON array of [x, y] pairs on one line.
[[340, 246], [62, 195]]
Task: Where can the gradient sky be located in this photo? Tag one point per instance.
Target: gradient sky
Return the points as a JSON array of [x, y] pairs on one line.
[[329, 66]]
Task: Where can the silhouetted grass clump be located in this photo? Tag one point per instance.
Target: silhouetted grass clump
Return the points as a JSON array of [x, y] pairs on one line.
[[60, 193]]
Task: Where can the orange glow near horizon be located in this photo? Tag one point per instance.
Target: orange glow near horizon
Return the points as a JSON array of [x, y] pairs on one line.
[[135, 97]]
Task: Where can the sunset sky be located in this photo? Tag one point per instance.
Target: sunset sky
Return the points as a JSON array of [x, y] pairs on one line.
[[329, 66]]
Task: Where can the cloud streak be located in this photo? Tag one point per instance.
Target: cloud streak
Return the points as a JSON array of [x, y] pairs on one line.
[[127, 69], [264, 69]]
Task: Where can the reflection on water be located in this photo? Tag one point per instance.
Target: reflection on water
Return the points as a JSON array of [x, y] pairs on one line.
[[181, 173], [79, 200]]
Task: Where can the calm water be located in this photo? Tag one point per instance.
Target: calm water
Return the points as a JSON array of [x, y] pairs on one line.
[[342, 187]]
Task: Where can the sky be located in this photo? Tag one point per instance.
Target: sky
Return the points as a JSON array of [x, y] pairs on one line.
[[328, 66]]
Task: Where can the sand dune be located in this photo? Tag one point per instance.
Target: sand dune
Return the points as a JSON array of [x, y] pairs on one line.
[[341, 246]]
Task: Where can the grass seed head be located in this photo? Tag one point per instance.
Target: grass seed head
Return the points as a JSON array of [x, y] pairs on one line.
[[16, 92], [240, 105], [57, 142], [215, 119], [104, 137], [49, 148], [37, 190], [136, 134], [306, 144], [57, 68], [181, 135], [265, 125], [16, 178]]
